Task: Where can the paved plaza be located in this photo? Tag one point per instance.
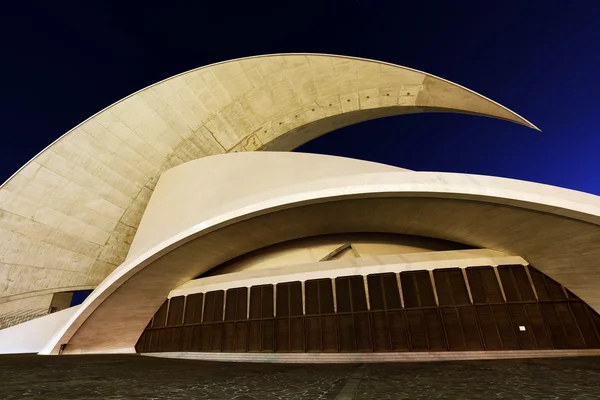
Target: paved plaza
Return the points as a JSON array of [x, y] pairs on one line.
[[138, 377]]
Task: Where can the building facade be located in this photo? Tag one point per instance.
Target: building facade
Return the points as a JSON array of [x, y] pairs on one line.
[[203, 237]]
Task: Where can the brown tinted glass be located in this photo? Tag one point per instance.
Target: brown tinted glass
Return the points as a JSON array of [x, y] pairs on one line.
[[435, 332], [572, 332], [362, 328], [295, 295], [392, 294], [342, 295], [283, 300], [524, 328], [325, 296], [381, 331], [329, 333], [241, 336], [346, 333], [450, 286], [538, 327], [484, 285], [398, 331], [489, 328], [416, 330], [311, 292], [470, 329], [505, 327], [297, 334], [236, 305], [176, 311], [523, 283], [425, 289], [160, 318], [267, 302], [359, 297], [193, 309], [409, 290], [508, 283], [375, 293], [453, 328], [585, 325]]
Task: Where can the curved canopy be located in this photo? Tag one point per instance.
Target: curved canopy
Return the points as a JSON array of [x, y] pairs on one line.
[[68, 217], [554, 229]]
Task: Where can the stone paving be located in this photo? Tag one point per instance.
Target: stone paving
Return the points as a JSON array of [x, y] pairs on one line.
[[137, 377]]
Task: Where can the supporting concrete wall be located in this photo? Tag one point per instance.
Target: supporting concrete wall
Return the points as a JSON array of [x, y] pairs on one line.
[[24, 309], [31, 336]]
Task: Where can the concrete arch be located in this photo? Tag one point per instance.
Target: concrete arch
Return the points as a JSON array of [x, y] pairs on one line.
[[557, 230], [76, 206]]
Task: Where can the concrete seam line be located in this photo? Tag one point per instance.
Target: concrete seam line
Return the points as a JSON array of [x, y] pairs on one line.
[[348, 391]]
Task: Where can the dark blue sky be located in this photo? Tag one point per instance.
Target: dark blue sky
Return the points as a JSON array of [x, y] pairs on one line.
[[63, 62]]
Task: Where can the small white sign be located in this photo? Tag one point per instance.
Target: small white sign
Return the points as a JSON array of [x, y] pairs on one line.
[[521, 328]]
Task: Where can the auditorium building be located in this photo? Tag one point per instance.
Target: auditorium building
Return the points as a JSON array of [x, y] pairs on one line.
[[201, 235]]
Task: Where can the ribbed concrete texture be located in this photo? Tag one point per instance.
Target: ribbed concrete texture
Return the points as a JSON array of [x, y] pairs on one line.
[[68, 217]]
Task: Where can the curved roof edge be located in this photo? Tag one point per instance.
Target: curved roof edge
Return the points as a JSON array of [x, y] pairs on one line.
[[536, 201], [78, 203], [524, 122]]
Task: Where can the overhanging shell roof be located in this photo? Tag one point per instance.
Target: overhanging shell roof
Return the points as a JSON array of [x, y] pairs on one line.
[[68, 217]]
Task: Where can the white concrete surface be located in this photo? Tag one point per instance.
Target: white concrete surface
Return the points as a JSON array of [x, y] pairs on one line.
[[31, 336], [556, 230], [76, 206]]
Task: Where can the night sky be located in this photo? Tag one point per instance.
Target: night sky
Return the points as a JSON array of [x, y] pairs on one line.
[[64, 62]]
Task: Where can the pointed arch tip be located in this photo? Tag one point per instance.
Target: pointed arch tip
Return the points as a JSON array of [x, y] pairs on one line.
[[530, 125]]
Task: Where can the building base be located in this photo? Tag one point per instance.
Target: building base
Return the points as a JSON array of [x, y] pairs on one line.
[[351, 358]]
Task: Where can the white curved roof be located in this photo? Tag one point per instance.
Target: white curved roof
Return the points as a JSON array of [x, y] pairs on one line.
[[68, 217], [556, 230]]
